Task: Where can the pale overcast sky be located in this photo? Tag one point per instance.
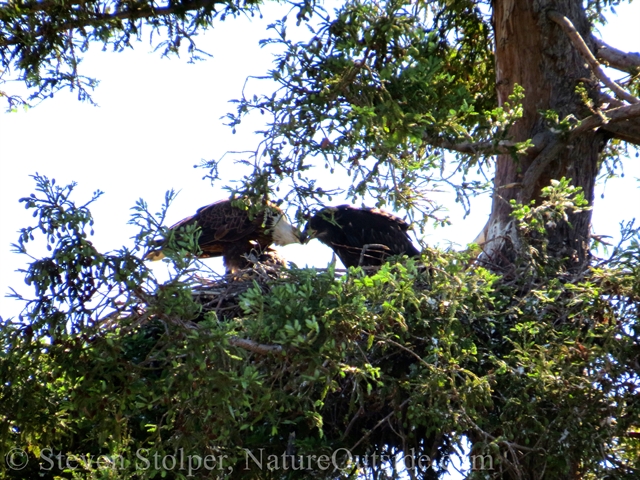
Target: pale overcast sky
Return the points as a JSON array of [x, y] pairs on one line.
[[157, 118]]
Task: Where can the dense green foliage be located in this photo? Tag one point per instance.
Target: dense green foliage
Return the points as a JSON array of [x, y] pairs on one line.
[[110, 372], [372, 91], [42, 43], [404, 360]]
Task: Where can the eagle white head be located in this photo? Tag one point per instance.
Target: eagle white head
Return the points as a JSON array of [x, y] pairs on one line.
[[230, 232], [283, 232]]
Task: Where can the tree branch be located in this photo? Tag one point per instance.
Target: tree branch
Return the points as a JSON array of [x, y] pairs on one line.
[[609, 100], [94, 18], [502, 147], [624, 61], [582, 47], [622, 122], [381, 422], [628, 130], [605, 119], [488, 147], [538, 166], [254, 347]]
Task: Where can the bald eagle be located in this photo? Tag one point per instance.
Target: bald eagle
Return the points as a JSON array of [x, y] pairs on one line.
[[360, 236], [230, 232]]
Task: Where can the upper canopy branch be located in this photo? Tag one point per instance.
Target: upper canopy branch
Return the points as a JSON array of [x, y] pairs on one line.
[[606, 117], [473, 148], [620, 121], [625, 61], [628, 130], [92, 15], [553, 149], [582, 47]]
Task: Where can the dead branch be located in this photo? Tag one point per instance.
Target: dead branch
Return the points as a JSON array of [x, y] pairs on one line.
[[373, 247], [582, 47]]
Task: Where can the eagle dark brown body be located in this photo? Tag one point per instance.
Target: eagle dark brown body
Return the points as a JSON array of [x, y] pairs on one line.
[[231, 233], [360, 236]]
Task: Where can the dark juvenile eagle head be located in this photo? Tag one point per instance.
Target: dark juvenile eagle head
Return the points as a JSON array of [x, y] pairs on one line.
[[323, 226], [360, 236]]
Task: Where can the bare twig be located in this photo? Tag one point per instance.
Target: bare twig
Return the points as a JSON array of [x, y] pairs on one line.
[[352, 423], [513, 447], [377, 425], [374, 247], [582, 47], [408, 350]]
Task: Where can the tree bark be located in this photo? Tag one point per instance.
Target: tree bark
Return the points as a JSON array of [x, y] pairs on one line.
[[534, 52]]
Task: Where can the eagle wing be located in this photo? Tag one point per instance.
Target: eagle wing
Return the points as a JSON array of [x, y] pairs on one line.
[[371, 223], [221, 224], [385, 233]]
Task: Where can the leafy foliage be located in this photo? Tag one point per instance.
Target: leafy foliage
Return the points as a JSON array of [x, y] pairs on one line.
[[372, 373], [539, 369], [366, 94], [44, 42]]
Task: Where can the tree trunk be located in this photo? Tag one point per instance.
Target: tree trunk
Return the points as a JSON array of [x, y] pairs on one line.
[[534, 52]]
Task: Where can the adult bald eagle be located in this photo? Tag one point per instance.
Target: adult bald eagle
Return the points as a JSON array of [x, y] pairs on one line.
[[360, 236], [230, 232]]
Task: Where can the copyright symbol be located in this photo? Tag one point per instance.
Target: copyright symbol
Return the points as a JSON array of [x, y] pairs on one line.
[[16, 459]]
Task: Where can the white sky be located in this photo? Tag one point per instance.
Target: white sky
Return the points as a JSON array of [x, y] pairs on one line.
[[159, 117]]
